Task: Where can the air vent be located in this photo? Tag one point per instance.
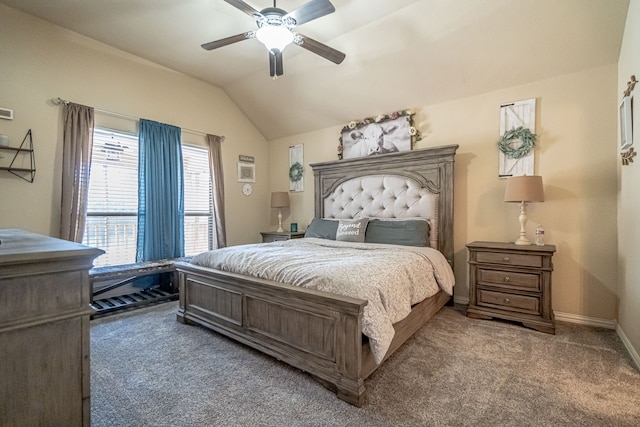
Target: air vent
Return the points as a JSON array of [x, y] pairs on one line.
[[6, 114]]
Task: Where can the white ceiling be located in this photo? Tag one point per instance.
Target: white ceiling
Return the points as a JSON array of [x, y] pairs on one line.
[[399, 54]]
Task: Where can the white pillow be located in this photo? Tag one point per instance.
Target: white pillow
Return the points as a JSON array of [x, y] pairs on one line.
[[352, 230]]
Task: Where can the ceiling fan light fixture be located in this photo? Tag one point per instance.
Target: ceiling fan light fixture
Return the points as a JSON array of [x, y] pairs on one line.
[[274, 37]]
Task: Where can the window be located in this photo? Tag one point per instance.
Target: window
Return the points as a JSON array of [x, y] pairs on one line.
[[112, 211], [112, 207], [198, 219]]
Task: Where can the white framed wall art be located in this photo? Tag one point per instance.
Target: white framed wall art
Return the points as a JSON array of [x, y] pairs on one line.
[[514, 115]]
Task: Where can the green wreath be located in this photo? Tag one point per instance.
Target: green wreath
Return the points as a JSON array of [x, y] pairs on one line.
[[295, 172], [522, 134]]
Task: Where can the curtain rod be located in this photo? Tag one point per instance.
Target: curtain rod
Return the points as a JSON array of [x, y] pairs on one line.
[[60, 101]]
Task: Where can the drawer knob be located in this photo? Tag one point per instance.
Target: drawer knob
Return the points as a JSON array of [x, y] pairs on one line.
[[507, 300], [506, 279], [505, 258]]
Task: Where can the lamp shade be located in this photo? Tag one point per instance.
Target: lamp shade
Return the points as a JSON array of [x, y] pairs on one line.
[[279, 199], [524, 189]]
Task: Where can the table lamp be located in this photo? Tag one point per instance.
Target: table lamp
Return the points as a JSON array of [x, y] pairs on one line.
[[523, 189], [279, 199]]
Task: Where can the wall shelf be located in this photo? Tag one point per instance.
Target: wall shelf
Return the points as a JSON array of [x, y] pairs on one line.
[[22, 150]]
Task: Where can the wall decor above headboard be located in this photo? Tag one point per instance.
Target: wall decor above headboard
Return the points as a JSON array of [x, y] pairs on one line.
[[431, 168], [386, 133]]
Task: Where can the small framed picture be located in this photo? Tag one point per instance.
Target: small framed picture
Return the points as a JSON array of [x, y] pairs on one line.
[[626, 123], [246, 172]]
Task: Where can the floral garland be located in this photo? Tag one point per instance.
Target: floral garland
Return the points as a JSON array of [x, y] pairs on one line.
[[295, 172], [354, 124], [527, 138]]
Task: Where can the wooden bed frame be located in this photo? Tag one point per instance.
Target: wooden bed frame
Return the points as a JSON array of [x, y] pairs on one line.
[[320, 332]]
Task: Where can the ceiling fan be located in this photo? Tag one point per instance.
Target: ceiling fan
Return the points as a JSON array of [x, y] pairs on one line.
[[275, 31]]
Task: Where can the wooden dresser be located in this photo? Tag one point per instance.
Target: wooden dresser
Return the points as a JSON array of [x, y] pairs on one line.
[[44, 330], [511, 282]]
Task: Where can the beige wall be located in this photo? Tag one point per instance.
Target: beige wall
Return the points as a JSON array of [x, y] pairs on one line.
[[576, 155], [40, 61], [628, 195]]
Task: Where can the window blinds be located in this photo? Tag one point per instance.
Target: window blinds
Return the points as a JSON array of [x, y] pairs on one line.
[[197, 200], [113, 197]]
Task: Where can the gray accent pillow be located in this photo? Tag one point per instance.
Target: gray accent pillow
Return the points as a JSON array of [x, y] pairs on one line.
[[352, 230], [407, 233], [322, 229]]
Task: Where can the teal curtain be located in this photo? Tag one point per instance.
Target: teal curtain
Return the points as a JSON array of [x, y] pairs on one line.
[[161, 193]]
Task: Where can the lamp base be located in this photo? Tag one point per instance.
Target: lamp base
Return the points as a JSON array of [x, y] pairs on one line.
[[280, 229], [522, 241]]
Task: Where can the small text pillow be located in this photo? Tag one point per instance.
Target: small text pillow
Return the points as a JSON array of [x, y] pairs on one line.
[[352, 230]]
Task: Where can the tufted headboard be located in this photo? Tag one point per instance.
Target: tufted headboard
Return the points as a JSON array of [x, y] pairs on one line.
[[407, 184]]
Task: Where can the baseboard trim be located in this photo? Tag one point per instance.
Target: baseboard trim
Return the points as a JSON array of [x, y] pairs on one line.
[[585, 320], [632, 351], [461, 300], [564, 317]]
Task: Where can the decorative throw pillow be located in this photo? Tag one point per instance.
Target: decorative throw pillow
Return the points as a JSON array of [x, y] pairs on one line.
[[322, 229], [406, 233], [352, 230]]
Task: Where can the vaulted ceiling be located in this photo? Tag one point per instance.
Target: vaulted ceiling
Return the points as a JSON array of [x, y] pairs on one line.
[[399, 54]]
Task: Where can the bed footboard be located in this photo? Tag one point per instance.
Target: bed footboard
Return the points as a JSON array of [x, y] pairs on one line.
[[314, 331]]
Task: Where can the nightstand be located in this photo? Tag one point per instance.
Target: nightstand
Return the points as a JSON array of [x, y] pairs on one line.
[[511, 282], [273, 236]]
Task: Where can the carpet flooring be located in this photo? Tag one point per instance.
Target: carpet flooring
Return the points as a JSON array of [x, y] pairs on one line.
[[149, 370]]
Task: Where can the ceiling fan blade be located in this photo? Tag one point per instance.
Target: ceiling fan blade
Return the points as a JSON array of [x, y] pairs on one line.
[[228, 40], [239, 4], [311, 10], [323, 50]]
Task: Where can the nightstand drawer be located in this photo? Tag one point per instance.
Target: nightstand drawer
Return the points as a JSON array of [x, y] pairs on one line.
[[274, 236], [511, 279], [505, 301], [505, 258]]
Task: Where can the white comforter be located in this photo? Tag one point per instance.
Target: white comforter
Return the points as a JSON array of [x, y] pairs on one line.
[[391, 278]]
